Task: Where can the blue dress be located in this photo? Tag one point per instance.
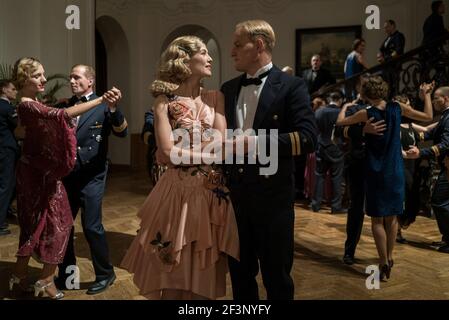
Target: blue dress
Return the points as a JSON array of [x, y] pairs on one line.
[[352, 65], [384, 165]]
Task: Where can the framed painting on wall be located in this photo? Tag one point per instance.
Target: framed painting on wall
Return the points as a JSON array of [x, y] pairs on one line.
[[333, 44]]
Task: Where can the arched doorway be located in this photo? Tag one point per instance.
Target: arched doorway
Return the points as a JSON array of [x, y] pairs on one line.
[[101, 64], [212, 45], [112, 66]]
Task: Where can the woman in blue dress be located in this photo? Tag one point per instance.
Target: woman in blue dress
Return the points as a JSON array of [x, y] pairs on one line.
[[355, 62], [384, 171]]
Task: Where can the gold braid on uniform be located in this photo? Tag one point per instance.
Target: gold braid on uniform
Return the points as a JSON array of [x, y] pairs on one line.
[[346, 132], [292, 140], [296, 143], [421, 136], [146, 137], [121, 128], [436, 151]]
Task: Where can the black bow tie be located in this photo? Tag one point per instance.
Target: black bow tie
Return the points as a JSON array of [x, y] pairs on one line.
[[83, 99], [73, 100], [255, 81]]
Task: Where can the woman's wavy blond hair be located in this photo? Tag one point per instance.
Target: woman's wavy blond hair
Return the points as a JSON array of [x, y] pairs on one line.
[[23, 69], [374, 87], [173, 68]]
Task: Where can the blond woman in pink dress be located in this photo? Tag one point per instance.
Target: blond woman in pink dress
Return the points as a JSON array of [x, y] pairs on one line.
[[187, 228]]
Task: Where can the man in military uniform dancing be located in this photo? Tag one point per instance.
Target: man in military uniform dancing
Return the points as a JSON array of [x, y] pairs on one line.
[[85, 185], [439, 151]]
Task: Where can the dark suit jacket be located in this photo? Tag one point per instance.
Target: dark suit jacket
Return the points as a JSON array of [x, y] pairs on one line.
[[396, 43], [327, 149], [355, 137], [94, 129], [149, 138], [8, 123], [284, 104], [433, 28], [323, 78], [148, 128], [440, 137]]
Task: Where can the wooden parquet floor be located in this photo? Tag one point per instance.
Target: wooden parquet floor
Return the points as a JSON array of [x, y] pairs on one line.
[[420, 271]]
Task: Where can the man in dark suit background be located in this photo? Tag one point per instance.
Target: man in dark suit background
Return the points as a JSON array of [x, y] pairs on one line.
[[317, 77], [329, 155], [85, 185], [264, 97], [148, 138], [434, 28], [9, 150], [394, 45]]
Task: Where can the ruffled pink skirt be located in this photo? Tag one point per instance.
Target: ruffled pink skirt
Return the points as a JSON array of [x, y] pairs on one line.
[[188, 230]]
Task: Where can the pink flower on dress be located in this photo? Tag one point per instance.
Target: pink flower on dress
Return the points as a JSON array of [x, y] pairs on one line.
[[177, 110], [163, 248]]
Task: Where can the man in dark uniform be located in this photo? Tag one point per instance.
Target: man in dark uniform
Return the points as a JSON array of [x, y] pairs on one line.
[[439, 151], [393, 46], [85, 185], [9, 150], [148, 138], [354, 166], [329, 155], [264, 97], [317, 77], [434, 28]]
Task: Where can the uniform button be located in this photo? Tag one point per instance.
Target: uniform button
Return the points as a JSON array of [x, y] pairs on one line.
[[241, 170], [79, 148], [275, 117], [90, 148]]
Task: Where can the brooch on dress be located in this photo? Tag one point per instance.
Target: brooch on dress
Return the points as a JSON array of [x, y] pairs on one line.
[[215, 181], [162, 248]]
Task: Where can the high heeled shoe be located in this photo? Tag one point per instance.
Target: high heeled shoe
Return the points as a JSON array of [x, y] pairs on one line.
[[385, 271], [41, 288], [15, 280], [391, 263]]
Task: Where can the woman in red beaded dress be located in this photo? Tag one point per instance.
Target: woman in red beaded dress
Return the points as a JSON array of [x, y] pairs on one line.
[[49, 154]]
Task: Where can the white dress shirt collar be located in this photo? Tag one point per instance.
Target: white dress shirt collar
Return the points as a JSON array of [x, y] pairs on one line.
[[261, 70], [88, 95]]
